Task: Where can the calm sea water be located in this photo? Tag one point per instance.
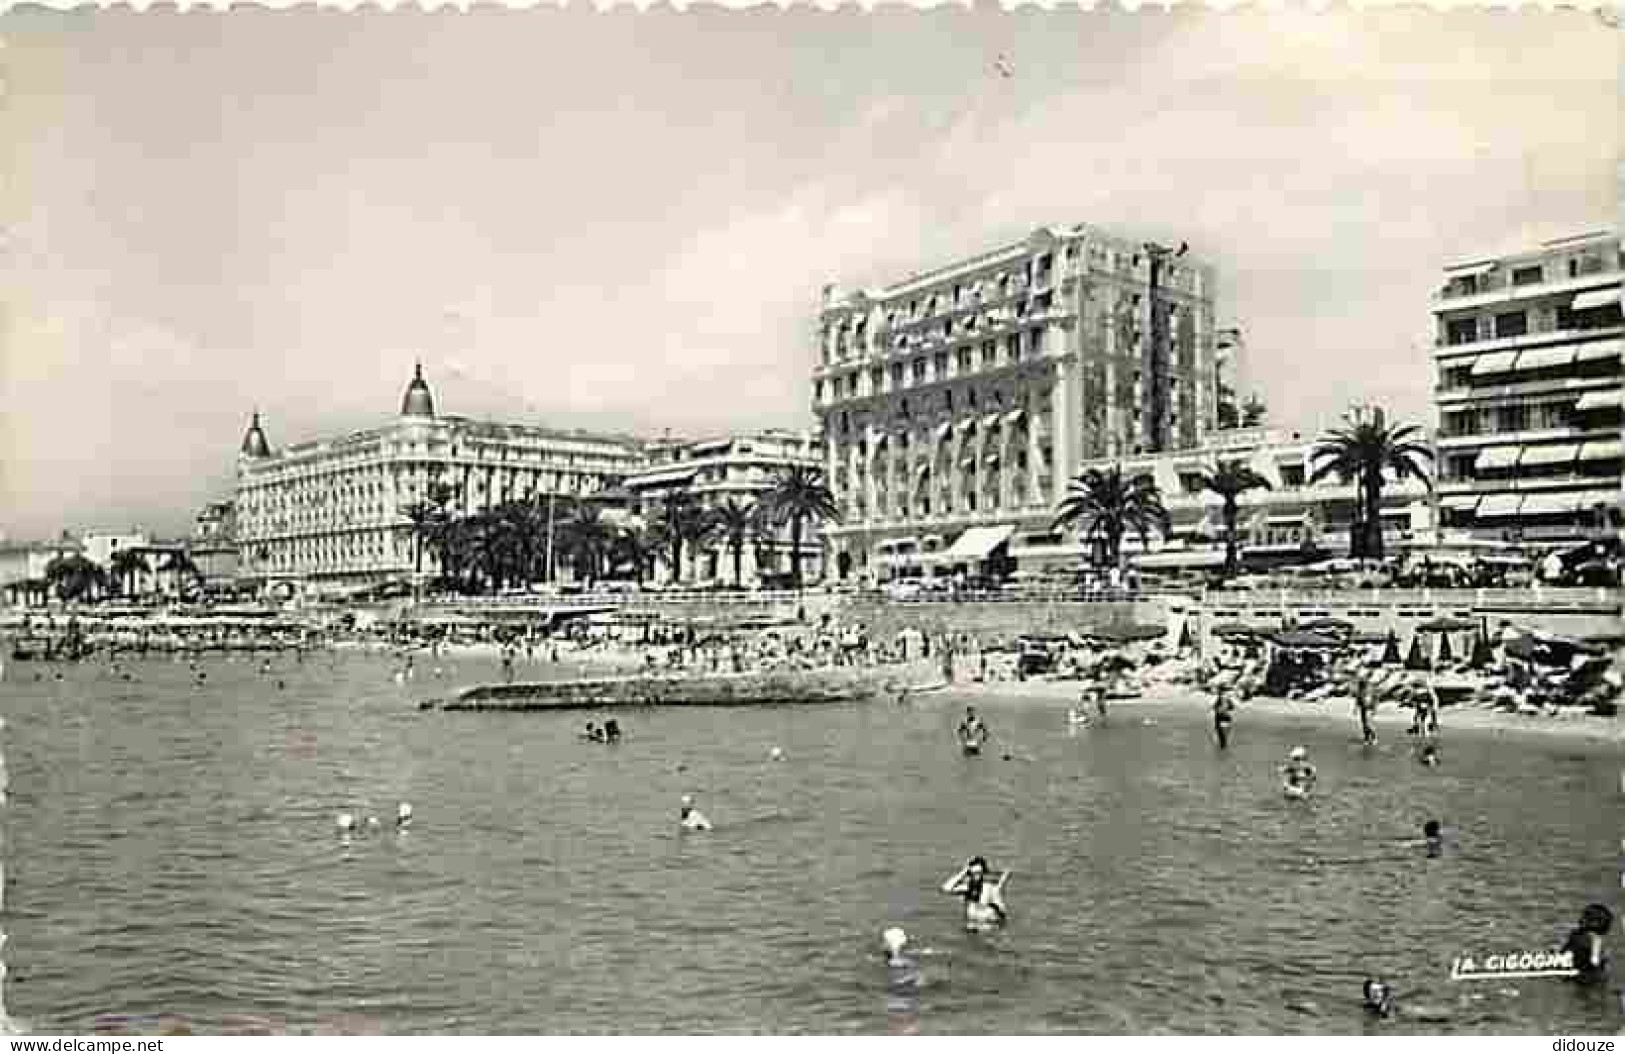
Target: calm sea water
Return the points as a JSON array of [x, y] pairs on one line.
[[171, 849]]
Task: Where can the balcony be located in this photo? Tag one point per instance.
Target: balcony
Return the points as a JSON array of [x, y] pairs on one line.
[[1500, 290]]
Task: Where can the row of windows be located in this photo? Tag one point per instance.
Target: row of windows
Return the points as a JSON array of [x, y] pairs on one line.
[[1503, 325], [935, 369], [1579, 265]]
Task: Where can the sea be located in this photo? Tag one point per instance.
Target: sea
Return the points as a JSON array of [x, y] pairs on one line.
[[172, 861]]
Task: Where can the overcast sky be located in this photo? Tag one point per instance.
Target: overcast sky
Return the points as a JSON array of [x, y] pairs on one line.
[[622, 221]]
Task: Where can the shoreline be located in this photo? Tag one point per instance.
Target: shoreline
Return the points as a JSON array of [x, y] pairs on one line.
[[1388, 720]]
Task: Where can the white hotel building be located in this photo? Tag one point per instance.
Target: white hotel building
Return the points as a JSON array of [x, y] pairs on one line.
[[956, 404], [329, 509], [1528, 390]]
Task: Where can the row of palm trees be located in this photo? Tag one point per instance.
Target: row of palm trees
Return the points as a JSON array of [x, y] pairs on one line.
[[1106, 505], [523, 541], [75, 576]]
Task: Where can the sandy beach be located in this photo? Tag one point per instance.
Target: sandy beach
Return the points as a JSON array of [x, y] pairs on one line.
[[1390, 720]]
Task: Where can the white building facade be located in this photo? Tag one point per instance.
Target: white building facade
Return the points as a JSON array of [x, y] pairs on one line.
[[966, 397], [741, 468], [330, 509], [1529, 389]]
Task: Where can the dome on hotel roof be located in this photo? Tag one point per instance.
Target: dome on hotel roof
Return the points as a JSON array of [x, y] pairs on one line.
[[254, 444], [417, 402]]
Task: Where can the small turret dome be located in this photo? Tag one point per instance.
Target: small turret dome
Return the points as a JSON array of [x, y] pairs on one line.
[[254, 444], [417, 402]]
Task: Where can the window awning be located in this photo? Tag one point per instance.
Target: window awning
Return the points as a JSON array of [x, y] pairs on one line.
[[1459, 502], [1469, 270], [1497, 457], [943, 430], [1014, 416], [1494, 362], [1599, 400], [992, 420], [1603, 449], [1500, 505], [967, 424], [1547, 504], [1593, 298], [1599, 349], [1555, 454], [903, 543], [967, 462], [922, 471], [1544, 358], [992, 459], [977, 542], [663, 479]]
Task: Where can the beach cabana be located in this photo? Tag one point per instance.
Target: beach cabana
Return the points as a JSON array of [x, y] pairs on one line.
[[1446, 653]]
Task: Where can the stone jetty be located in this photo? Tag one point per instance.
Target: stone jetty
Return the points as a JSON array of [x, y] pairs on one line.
[[766, 688]]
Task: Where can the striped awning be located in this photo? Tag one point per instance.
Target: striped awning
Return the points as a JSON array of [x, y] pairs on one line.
[[1599, 400], [1494, 362], [1500, 505], [1554, 454], [1594, 298], [1459, 502], [1544, 358], [1497, 457], [1547, 504], [1602, 450]]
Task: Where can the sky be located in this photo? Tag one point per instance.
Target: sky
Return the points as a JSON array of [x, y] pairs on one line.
[[622, 221]]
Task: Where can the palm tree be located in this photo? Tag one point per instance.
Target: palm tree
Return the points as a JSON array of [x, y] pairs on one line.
[[684, 521], [586, 537], [637, 544], [75, 576], [179, 564], [124, 566], [424, 517], [1230, 479], [1362, 451], [799, 493], [735, 523], [1108, 505]]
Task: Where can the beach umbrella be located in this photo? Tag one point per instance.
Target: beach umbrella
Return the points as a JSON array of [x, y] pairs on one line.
[[1483, 652], [1446, 653], [1187, 639], [1417, 659], [1390, 652]]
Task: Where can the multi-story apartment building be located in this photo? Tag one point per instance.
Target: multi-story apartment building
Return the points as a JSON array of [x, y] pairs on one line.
[[213, 545], [330, 509], [1528, 390], [741, 468], [966, 397]]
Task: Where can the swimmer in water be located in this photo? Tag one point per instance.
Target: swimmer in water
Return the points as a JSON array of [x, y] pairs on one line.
[[1224, 714], [690, 818], [973, 733], [1297, 775], [984, 898], [1433, 838], [612, 731], [1379, 998], [1429, 755], [903, 982], [1585, 944]]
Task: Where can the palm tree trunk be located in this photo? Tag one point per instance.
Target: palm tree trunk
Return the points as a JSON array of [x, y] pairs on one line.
[[1373, 518], [795, 549], [1230, 513], [738, 546]]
